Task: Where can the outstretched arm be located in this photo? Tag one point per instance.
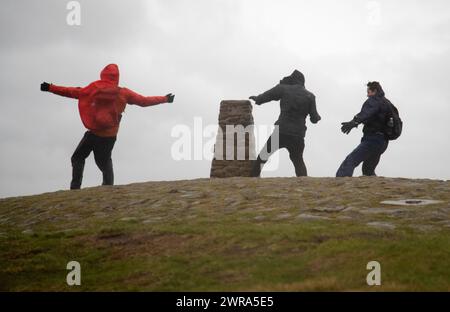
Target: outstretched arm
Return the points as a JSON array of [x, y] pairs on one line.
[[69, 92], [273, 94], [369, 109], [144, 101]]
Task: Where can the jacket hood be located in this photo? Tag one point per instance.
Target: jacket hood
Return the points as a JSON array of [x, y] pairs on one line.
[[295, 78], [110, 73]]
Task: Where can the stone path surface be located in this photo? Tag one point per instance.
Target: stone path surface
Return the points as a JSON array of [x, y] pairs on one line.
[[357, 200]]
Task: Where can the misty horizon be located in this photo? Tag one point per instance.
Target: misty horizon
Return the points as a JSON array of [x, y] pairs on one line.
[[208, 51]]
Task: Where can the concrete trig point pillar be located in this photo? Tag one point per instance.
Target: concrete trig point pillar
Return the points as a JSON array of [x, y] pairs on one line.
[[234, 150]]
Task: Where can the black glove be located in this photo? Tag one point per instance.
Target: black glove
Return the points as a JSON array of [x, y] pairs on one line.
[[170, 97], [253, 98], [45, 86], [348, 126], [315, 118]]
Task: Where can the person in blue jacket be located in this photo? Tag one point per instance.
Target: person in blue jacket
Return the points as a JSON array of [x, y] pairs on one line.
[[374, 142]]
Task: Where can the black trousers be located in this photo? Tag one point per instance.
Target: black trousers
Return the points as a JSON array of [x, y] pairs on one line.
[[295, 146], [102, 148]]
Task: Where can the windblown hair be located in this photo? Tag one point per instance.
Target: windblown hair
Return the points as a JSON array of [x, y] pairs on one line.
[[374, 86]]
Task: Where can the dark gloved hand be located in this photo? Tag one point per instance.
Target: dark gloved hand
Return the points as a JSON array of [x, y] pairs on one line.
[[348, 126], [253, 98], [45, 86], [315, 119], [170, 97]]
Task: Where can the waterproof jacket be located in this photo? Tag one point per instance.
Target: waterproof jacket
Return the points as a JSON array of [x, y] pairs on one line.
[[374, 113], [102, 102], [296, 103]]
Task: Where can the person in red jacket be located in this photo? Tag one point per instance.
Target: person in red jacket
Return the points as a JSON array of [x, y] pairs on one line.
[[101, 105]]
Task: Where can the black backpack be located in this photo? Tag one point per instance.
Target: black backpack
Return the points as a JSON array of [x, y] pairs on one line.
[[394, 124]]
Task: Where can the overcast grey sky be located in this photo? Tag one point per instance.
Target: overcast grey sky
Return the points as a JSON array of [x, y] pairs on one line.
[[205, 51]]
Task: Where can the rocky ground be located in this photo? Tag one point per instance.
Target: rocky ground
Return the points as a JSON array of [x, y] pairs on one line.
[[230, 234]]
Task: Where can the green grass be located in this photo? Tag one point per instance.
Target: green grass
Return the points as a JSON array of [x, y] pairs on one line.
[[227, 256], [215, 250]]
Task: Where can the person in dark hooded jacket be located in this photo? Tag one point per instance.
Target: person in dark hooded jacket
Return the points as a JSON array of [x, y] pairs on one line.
[[296, 103], [374, 143], [101, 105]]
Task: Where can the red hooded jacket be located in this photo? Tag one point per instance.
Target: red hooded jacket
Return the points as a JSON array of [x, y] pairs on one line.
[[102, 102]]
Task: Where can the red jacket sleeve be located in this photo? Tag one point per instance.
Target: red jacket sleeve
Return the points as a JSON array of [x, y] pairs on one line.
[[70, 92], [137, 99]]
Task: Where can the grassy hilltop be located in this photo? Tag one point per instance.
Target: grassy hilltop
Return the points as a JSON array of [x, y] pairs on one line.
[[282, 234]]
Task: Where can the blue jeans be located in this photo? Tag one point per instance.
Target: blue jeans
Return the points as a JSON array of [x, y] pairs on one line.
[[368, 152]]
